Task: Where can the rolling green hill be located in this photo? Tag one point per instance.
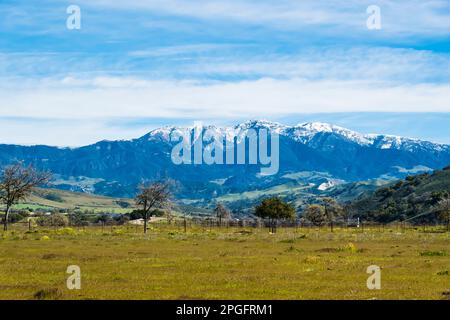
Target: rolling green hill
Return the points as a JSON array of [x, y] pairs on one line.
[[416, 198], [49, 199]]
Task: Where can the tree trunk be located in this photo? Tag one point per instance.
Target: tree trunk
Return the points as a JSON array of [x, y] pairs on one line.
[[145, 224], [5, 223], [145, 217]]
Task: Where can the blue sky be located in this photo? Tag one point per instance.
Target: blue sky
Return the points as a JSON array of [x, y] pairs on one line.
[[135, 65]]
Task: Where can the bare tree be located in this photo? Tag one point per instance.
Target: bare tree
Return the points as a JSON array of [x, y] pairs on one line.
[[150, 197], [169, 213], [221, 213], [332, 209], [315, 214], [16, 184]]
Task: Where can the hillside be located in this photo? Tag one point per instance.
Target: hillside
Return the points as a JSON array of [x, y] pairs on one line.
[[51, 199], [59, 199], [415, 198]]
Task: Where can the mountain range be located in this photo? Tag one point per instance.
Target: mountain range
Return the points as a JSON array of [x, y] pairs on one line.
[[315, 158]]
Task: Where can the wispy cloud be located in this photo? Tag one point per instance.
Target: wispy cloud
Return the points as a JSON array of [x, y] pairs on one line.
[[376, 64], [209, 61], [399, 16], [116, 97], [63, 132], [180, 50], [223, 59]]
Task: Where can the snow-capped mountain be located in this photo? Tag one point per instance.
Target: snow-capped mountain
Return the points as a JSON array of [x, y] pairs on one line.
[[315, 156], [306, 132]]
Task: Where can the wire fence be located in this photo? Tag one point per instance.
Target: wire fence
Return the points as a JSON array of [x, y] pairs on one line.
[[215, 223]]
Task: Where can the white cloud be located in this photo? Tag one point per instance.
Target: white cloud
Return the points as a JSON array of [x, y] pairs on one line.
[[333, 63], [398, 16], [329, 80], [377, 64], [177, 50], [118, 97], [83, 111], [80, 89], [60, 132]]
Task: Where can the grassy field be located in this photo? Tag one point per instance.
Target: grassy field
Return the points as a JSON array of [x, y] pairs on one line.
[[234, 263]]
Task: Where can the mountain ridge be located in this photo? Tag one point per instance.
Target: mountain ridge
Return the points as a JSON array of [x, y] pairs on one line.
[[308, 130], [319, 154]]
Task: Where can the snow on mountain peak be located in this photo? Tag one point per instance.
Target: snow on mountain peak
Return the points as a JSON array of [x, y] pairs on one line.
[[261, 124], [305, 132], [163, 133], [316, 126]]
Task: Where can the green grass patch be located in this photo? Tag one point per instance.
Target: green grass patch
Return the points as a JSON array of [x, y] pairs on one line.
[[434, 253], [225, 263]]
